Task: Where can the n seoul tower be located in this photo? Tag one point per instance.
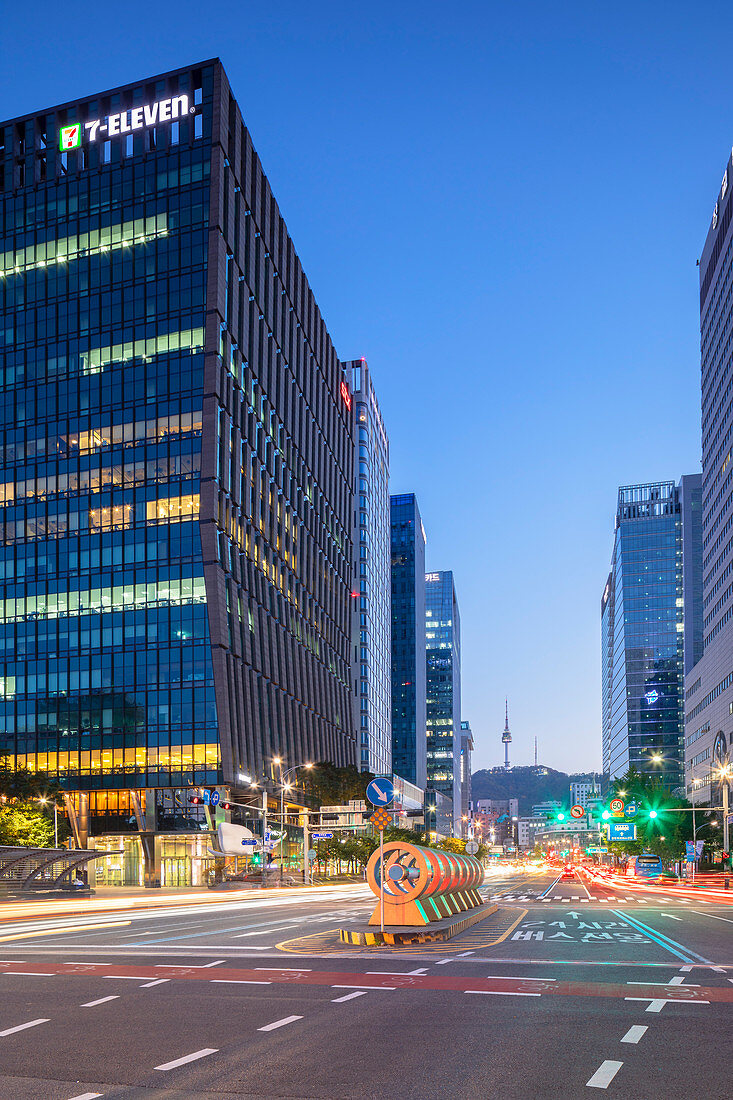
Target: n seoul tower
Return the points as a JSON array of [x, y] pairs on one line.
[[506, 736]]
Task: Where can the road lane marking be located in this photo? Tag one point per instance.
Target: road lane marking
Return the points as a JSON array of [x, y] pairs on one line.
[[634, 1034], [219, 962], [29, 973], [656, 1004], [348, 997], [188, 1058], [238, 981], [280, 1023], [22, 1027], [672, 981], [377, 987], [726, 919], [101, 1001], [663, 941], [603, 1076], [128, 977], [158, 981], [87, 1096], [501, 993]]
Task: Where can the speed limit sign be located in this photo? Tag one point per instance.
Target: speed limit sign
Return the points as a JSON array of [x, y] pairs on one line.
[[617, 806]]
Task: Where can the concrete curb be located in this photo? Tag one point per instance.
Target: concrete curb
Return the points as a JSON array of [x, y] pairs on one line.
[[429, 933]]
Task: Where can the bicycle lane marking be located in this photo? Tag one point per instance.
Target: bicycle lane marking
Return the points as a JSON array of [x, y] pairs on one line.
[[668, 944]]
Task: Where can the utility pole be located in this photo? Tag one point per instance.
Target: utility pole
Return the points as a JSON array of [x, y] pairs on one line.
[[264, 835]]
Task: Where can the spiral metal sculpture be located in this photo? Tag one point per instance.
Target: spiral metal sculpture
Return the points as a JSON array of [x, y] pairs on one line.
[[422, 885]]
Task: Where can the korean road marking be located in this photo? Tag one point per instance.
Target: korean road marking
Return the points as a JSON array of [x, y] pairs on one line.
[[634, 1034], [101, 1001], [348, 997]]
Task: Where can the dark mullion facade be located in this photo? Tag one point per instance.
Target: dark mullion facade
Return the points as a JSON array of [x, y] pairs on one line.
[[178, 458]]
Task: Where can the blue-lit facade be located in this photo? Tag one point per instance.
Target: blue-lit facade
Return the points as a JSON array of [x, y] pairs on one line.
[[407, 537], [177, 464], [443, 689], [650, 625]]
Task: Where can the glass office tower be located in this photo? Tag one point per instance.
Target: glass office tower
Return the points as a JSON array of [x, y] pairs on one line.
[[371, 623], [650, 604], [178, 455], [709, 685], [408, 639], [443, 689]]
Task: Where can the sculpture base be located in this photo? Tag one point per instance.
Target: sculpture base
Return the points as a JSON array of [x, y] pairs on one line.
[[435, 932]]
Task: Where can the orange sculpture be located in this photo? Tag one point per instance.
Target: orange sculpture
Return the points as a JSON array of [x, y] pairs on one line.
[[422, 885]]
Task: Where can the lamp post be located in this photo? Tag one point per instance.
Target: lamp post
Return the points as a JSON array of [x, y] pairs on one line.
[[285, 786], [724, 774], [44, 801]]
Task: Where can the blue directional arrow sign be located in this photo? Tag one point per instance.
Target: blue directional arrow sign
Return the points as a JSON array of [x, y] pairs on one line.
[[380, 792], [321, 836], [206, 797]]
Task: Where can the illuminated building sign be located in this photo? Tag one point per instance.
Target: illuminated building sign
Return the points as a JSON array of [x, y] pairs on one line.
[[651, 697], [125, 122], [346, 395]]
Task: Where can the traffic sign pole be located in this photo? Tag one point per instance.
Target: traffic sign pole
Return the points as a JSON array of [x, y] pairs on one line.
[[381, 878]]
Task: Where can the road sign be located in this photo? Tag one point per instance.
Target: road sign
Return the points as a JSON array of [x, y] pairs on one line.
[[631, 809], [617, 806], [321, 836], [689, 851], [380, 791], [576, 811], [312, 853], [214, 798], [206, 797], [380, 819], [249, 842], [621, 830], [471, 847]]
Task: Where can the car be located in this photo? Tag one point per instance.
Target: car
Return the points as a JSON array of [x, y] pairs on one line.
[[568, 871]]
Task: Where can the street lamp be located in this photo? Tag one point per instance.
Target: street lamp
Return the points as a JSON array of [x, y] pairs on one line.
[[286, 786], [724, 774], [44, 802]]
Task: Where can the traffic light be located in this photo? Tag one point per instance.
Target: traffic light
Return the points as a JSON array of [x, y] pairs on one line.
[[606, 815], [195, 799], [653, 814], [225, 805], [560, 816]]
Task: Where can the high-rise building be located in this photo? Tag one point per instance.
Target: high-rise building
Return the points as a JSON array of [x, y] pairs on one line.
[[408, 640], [581, 791], [709, 685], [443, 688], [178, 453], [371, 622], [466, 753], [649, 604]]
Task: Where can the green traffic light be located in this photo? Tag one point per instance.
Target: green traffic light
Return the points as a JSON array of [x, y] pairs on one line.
[[605, 815], [652, 813], [561, 817]]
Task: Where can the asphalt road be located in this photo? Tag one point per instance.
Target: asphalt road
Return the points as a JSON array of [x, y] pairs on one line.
[[572, 988]]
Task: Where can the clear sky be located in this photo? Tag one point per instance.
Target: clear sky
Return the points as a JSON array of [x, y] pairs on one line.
[[501, 207]]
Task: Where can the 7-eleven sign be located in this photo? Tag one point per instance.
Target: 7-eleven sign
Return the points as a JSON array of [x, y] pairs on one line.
[[70, 137]]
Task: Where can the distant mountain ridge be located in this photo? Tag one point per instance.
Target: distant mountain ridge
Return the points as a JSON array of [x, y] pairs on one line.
[[530, 785]]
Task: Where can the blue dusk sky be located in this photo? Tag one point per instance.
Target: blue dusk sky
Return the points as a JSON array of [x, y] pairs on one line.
[[501, 207]]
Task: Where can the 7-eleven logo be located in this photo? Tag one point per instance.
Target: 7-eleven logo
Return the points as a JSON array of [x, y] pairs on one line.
[[70, 137]]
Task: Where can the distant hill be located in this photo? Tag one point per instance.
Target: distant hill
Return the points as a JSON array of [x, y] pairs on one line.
[[529, 785]]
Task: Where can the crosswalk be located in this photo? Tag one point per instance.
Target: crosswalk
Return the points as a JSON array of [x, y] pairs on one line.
[[611, 899]]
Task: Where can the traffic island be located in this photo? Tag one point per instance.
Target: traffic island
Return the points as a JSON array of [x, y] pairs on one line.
[[401, 936]]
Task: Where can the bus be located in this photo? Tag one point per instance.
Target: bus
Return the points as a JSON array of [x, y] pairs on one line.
[[646, 865]]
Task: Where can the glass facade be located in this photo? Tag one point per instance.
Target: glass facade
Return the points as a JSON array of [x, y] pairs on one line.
[[175, 491], [644, 618], [709, 684], [443, 689], [408, 640], [371, 624]]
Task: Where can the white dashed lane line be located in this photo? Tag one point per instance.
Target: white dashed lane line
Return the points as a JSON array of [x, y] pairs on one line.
[[22, 1027], [280, 1023], [348, 997], [603, 1076], [101, 1001], [634, 1034], [204, 1053]]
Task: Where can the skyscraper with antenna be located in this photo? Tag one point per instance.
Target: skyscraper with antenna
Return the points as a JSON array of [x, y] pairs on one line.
[[506, 736]]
